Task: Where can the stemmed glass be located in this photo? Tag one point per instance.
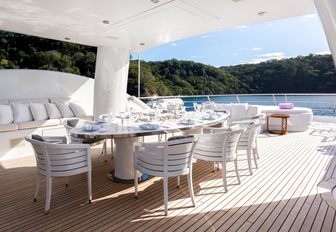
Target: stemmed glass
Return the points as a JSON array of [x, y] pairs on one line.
[[122, 115]]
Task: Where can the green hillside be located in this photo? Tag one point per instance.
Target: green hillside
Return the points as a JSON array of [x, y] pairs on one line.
[[309, 74]]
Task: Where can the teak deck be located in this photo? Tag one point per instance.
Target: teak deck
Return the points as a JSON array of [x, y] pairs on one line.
[[280, 195]]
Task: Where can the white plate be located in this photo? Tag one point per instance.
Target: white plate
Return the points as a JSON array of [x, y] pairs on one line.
[[90, 128], [149, 126], [187, 122]]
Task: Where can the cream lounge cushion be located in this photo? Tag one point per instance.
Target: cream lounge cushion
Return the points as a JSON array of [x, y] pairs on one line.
[[6, 114], [53, 111], [77, 110], [65, 110], [239, 110], [9, 127], [21, 112], [36, 124], [39, 111]]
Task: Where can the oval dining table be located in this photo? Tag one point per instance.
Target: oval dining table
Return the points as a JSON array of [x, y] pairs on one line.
[[124, 137]]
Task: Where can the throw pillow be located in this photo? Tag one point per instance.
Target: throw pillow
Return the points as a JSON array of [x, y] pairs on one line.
[[21, 112], [77, 110], [53, 111], [65, 110], [6, 114], [39, 111]]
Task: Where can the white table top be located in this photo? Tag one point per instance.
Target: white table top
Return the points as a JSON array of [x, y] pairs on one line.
[[133, 129]]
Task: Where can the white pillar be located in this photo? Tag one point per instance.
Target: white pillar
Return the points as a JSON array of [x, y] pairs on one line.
[[111, 77], [327, 12]]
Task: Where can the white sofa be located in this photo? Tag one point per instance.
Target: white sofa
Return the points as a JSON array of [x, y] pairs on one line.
[[19, 118], [300, 118]]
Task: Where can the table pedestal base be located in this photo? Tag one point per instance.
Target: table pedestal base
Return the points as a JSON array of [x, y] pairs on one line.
[[112, 177]]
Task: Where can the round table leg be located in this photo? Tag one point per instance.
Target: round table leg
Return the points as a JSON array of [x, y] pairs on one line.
[[123, 159]]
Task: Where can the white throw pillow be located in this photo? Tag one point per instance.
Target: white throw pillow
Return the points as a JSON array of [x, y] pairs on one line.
[[65, 110], [39, 111], [21, 112], [221, 106], [53, 111], [239, 110], [77, 110], [6, 114]]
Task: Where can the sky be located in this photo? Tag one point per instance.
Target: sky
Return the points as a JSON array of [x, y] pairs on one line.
[[248, 44]]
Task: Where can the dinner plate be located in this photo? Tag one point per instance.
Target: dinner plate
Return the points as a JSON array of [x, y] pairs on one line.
[[187, 122], [149, 126], [90, 128]]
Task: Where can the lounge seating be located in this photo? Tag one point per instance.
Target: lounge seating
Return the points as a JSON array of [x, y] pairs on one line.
[[60, 160], [165, 159]]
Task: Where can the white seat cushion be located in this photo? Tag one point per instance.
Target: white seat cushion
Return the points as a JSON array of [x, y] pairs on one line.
[[239, 110], [77, 109], [21, 113], [65, 110], [36, 124], [53, 111], [9, 127], [6, 114], [39, 111]]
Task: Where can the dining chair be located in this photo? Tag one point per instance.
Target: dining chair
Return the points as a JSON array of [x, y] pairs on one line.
[[76, 123], [165, 159], [219, 147], [248, 142], [60, 160]]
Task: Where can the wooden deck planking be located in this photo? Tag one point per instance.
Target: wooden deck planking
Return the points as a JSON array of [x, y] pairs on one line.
[[279, 195]]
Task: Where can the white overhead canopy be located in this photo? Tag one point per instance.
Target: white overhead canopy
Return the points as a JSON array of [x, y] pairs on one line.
[[130, 23]]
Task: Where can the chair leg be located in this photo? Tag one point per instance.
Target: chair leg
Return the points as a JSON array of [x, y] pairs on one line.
[[37, 186], [66, 181], [89, 185], [191, 189], [165, 195], [112, 150], [224, 176], [255, 155], [178, 182], [104, 151], [249, 161], [214, 167], [135, 184], [237, 173], [48, 194]]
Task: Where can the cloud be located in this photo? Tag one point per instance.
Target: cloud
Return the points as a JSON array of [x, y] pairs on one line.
[[173, 44], [241, 27], [197, 57], [207, 36], [235, 54], [267, 56], [257, 49], [273, 54], [323, 53]]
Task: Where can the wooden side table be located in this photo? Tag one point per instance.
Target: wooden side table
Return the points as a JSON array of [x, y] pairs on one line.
[[283, 126]]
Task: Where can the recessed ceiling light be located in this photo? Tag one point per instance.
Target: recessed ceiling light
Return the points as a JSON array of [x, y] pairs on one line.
[[155, 1], [261, 13], [142, 44], [106, 21], [67, 38]]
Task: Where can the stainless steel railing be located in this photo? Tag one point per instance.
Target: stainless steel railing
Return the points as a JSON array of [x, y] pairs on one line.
[[322, 104]]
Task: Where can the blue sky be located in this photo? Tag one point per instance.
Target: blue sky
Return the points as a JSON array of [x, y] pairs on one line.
[[248, 44]]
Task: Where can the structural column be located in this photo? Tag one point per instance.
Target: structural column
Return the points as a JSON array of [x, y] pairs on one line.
[[111, 77], [327, 12]]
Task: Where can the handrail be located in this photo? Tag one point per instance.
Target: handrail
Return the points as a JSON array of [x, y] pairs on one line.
[[326, 106]]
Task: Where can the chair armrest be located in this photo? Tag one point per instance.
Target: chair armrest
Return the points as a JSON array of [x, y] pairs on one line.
[[55, 139]]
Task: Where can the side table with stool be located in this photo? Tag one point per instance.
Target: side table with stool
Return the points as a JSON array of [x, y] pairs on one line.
[[283, 126]]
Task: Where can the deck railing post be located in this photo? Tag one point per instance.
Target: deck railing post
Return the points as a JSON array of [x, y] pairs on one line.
[[274, 101], [286, 99], [238, 100]]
